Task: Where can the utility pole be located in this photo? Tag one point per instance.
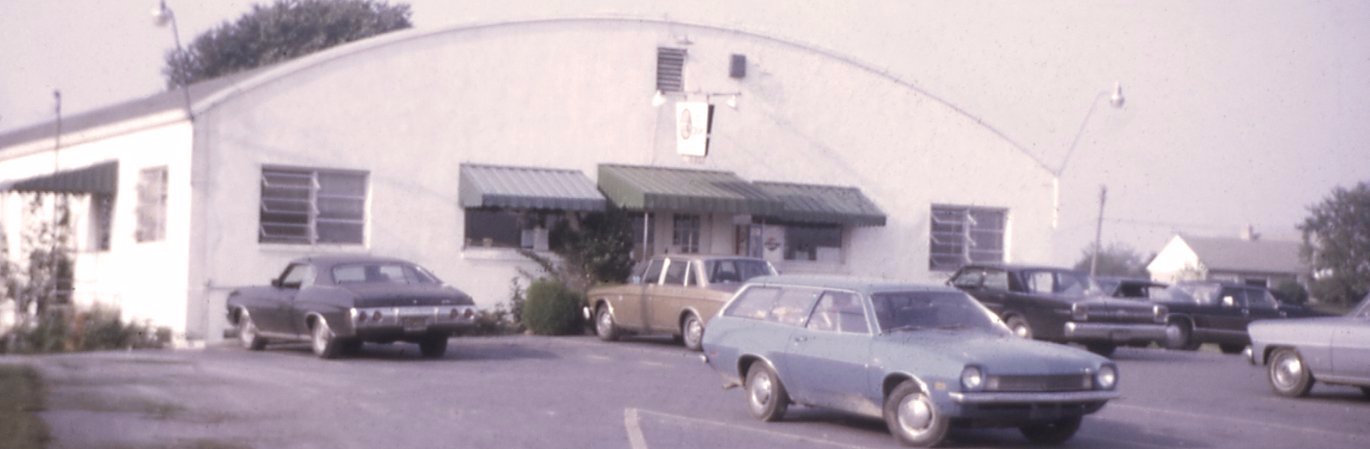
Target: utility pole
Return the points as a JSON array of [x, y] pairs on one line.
[[1098, 232]]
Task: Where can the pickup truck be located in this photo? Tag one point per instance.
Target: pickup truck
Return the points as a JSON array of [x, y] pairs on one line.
[[1219, 312], [675, 295], [1061, 305]]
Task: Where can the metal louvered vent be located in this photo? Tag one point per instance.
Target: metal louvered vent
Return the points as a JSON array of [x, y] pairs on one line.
[[670, 66]]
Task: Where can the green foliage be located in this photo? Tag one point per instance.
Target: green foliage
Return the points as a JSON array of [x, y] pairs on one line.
[[64, 329], [21, 398], [1115, 260], [552, 308], [281, 31], [1291, 292], [501, 320], [1336, 245]]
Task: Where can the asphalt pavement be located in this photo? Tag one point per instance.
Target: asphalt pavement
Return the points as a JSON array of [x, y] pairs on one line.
[[578, 392]]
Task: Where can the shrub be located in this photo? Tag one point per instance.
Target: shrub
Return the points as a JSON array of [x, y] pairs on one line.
[[552, 309], [64, 329]]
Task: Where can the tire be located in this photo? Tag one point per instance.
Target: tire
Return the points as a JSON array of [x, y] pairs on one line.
[[1179, 335], [1055, 432], [323, 342], [913, 418], [433, 347], [1288, 374], [1103, 349], [247, 333], [766, 396], [1231, 348], [692, 332], [1365, 391], [604, 324], [351, 347], [1019, 326]]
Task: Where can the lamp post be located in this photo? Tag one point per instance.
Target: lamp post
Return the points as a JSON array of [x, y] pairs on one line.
[[1115, 99], [161, 16]]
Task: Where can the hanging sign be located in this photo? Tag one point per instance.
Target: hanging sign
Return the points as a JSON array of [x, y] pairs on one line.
[[693, 121]]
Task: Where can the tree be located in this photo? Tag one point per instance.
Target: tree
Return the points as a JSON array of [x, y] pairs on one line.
[[1115, 260], [283, 30], [1336, 245]]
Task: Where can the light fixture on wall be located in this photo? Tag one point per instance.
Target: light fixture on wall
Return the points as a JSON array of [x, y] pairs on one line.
[[658, 99]]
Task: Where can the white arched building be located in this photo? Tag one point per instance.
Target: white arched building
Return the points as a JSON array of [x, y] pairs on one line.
[[451, 147]]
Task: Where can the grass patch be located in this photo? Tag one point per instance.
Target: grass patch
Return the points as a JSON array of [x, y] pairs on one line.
[[21, 398]]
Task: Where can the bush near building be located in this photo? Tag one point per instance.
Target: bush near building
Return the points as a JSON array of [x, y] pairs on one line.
[[552, 308], [68, 329]]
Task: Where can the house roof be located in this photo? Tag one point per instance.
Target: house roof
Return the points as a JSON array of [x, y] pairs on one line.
[[1256, 256]]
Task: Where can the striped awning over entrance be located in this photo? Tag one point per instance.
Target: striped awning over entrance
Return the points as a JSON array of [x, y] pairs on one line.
[[815, 203], [673, 189], [527, 188]]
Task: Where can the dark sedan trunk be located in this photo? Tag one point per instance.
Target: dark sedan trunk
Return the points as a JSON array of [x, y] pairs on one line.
[[389, 295]]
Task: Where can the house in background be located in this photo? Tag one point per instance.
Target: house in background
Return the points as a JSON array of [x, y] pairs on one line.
[[1247, 260]]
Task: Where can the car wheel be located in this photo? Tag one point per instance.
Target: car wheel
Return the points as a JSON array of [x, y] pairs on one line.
[[433, 347], [247, 333], [1179, 335], [351, 347], [1019, 326], [692, 332], [1288, 375], [913, 418], [1055, 432], [766, 397], [604, 324], [1365, 391], [1103, 349], [1231, 349], [323, 342]]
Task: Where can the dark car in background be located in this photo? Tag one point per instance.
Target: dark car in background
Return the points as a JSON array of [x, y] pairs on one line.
[[1129, 287], [1219, 312], [1061, 305], [923, 358], [338, 302]]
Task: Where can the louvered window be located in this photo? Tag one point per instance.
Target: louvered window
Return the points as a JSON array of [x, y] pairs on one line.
[[308, 206], [670, 66], [152, 191], [962, 235]]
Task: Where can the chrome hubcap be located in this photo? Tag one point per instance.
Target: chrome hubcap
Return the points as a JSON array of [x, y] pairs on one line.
[[694, 331], [1287, 371], [915, 414], [605, 322], [320, 337], [761, 391], [1174, 334], [246, 331], [1020, 330]]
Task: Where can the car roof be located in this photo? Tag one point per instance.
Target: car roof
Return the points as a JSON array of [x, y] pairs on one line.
[[1219, 283], [1018, 266], [336, 259], [853, 283]]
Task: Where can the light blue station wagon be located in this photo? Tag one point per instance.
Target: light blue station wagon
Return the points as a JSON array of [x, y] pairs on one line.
[[923, 358]]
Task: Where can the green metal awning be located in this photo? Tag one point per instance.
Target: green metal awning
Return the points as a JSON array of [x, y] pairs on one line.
[[661, 188], [102, 178], [813, 203], [527, 188]]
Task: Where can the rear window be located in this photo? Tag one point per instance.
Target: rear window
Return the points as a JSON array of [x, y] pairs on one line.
[[787, 306], [381, 273]]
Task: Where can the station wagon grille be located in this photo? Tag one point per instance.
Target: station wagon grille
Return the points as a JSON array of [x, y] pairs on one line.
[[1059, 382]]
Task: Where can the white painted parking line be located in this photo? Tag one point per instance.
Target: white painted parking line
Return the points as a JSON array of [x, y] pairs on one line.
[[1238, 421], [632, 422]]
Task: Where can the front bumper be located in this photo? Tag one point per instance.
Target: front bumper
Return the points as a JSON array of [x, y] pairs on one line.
[[992, 397], [1114, 332]]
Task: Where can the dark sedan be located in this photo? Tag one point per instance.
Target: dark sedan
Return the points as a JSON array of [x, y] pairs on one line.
[[1219, 312], [338, 302]]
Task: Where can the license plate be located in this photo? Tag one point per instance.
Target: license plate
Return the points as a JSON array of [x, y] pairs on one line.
[[414, 322]]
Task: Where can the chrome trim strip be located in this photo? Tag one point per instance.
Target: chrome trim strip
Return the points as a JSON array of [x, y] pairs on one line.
[[1009, 398]]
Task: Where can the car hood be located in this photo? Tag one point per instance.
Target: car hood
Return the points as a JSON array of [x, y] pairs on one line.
[[997, 354], [394, 295]]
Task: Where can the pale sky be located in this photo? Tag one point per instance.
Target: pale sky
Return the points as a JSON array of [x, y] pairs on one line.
[[1237, 112]]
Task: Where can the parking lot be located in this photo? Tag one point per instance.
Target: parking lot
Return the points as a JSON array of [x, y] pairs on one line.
[[577, 392]]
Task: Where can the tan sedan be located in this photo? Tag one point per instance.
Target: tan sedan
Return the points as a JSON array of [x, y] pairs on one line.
[[676, 294]]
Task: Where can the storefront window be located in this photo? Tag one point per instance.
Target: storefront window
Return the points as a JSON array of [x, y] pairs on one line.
[[819, 243]]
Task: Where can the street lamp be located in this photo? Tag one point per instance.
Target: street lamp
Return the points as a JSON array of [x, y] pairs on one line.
[[1115, 99], [161, 16]]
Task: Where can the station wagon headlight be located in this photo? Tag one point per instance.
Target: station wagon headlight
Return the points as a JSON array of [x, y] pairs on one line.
[[1078, 313], [1159, 311], [972, 379], [1107, 378]]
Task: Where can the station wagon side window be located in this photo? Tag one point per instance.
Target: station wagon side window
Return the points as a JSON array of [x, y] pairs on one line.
[[675, 272], [297, 275], [969, 279], [793, 306], [754, 303], [996, 279], [653, 273], [839, 312]]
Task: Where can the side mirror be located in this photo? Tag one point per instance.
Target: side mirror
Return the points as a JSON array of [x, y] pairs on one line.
[[635, 280], [276, 282]]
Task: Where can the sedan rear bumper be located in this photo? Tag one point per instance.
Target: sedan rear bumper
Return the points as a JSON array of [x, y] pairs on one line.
[[1114, 332]]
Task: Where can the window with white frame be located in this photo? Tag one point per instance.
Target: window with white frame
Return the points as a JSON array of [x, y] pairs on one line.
[[685, 233], [309, 206], [963, 234], [152, 193]]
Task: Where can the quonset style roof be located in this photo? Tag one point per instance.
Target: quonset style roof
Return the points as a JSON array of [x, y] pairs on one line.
[[816, 203], [527, 188], [1258, 256]]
